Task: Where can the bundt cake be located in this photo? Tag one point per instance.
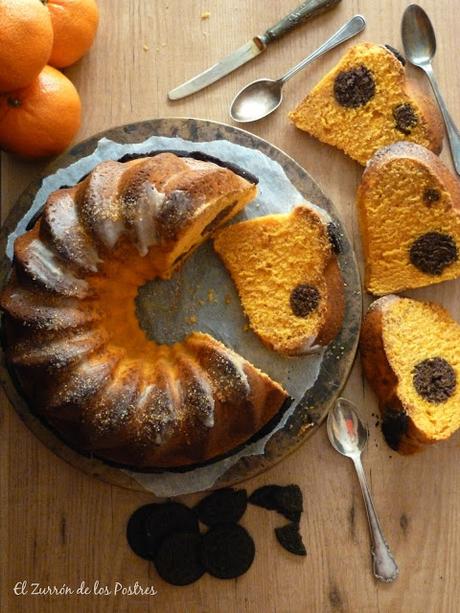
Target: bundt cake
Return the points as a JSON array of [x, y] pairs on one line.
[[366, 102], [410, 353], [72, 337], [409, 211], [290, 284]]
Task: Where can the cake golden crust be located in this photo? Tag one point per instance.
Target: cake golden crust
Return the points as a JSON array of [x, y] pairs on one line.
[[401, 341], [409, 213], [71, 332], [290, 284], [366, 102]]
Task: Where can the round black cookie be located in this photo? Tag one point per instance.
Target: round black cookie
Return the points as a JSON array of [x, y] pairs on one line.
[[136, 533], [354, 87], [178, 559], [166, 518], [304, 299], [433, 252], [434, 379], [227, 551], [222, 506]]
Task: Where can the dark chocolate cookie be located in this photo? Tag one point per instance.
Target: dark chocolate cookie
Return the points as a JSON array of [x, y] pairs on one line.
[[434, 379], [222, 506], [304, 299], [290, 538], [165, 519], [136, 532], [227, 551], [286, 500], [433, 252], [354, 87], [178, 559]]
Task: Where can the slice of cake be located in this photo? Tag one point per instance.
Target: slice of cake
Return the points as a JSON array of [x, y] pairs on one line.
[[409, 210], [366, 102], [287, 276], [410, 352]]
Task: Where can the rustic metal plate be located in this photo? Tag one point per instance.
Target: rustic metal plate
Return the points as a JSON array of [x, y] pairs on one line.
[[337, 359]]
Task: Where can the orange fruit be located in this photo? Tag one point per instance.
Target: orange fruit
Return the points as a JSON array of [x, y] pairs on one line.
[[41, 119], [74, 24], [26, 40]]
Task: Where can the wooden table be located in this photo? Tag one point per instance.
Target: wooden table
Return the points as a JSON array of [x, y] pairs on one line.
[[60, 526]]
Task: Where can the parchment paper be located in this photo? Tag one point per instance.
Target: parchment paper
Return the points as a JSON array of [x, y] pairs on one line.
[[201, 296]]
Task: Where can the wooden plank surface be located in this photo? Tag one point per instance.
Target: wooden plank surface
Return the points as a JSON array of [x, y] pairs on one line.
[[59, 526]]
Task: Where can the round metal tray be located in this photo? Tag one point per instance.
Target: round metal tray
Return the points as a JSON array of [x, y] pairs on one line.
[[337, 359]]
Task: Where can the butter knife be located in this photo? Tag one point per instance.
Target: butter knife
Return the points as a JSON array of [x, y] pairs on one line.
[[252, 48]]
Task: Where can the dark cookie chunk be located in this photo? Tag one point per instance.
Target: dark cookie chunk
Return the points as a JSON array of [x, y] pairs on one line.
[[397, 54], [167, 518], [335, 237], [227, 551], [395, 425], [222, 507], [304, 299], [434, 379], [433, 252], [354, 87], [290, 538], [431, 195], [178, 559], [136, 532], [286, 500], [405, 118]]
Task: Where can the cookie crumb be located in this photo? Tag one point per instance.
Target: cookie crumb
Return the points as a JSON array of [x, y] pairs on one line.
[[205, 15]]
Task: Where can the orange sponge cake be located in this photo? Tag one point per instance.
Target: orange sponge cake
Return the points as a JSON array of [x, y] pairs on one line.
[[287, 277], [409, 211], [72, 336], [410, 353], [366, 102]]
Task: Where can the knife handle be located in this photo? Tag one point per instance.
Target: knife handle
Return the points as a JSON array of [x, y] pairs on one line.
[[299, 15]]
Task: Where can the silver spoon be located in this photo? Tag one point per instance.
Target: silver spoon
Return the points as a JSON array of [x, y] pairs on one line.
[[260, 98], [348, 435], [420, 46]]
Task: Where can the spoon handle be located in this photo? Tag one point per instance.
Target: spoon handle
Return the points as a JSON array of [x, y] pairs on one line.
[[385, 567], [451, 128], [353, 27]]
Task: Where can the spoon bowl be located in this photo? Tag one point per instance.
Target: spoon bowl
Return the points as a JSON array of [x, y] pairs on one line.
[[347, 433], [418, 36], [262, 97], [256, 100]]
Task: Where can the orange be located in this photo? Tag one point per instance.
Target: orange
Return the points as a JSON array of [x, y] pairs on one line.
[[41, 119], [26, 40], [74, 24]]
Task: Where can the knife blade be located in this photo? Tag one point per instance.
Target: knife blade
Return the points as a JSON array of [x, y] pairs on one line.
[[229, 63], [252, 48]]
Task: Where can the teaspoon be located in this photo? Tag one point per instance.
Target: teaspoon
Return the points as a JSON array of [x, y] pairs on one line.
[[419, 43], [260, 98], [348, 435]]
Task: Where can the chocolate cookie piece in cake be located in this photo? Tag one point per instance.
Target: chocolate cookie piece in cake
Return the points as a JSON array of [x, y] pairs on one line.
[[295, 305], [410, 352], [409, 214], [367, 102]]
